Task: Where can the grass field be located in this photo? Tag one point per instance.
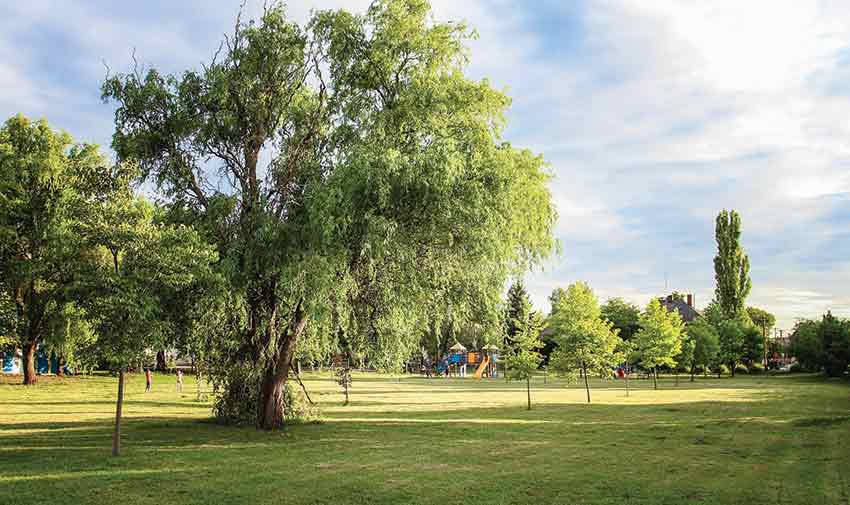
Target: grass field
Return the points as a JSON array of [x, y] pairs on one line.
[[749, 440]]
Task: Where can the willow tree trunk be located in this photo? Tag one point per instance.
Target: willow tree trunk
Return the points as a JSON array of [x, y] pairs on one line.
[[29, 364], [270, 414], [160, 361], [586, 384], [116, 435], [60, 366]]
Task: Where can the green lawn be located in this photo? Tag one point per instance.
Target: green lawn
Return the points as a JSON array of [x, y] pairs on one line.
[[717, 441]]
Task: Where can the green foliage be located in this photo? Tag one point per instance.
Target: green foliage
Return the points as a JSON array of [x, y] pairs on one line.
[[731, 266], [753, 345], [822, 345], [756, 368], [625, 316], [370, 191], [763, 319], [585, 341], [44, 180], [130, 293], [659, 340], [807, 346], [523, 360], [741, 368], [706, 343], [517, 312], [835, 337], [732, 342], [721, 369]]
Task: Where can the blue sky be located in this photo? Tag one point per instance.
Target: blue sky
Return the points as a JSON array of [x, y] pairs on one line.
[[654, 115]]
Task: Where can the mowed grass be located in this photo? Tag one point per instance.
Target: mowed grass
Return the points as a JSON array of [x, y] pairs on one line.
[[748, 440]]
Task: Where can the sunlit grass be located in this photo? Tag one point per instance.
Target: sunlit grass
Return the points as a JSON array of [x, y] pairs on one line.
[[415, 440]]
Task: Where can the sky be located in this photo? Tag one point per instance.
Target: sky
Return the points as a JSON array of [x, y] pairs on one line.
[[653, 115]]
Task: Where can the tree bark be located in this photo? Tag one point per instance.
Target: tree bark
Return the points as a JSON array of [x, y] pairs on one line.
[[586, 384], [116, 435], [528, 390], [30, 377], [655, 378], [626, 377], [160, 361], [693, 371], [60, 366], [270, 411]]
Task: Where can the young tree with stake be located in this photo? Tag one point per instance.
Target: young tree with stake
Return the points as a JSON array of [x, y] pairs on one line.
[[523, 360], [585, 342]]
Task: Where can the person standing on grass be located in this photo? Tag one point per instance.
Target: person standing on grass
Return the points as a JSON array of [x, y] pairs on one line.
[[179, 380], [148, 380]]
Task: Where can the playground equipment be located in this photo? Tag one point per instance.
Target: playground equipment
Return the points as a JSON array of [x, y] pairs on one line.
[[484, 364]]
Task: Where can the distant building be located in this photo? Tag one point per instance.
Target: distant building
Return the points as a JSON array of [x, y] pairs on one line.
[[685, 307]]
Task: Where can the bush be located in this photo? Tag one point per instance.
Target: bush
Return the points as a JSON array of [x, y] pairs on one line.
[[741, 368], [721, 369], [796, 368], [757, 368], [700, 369]]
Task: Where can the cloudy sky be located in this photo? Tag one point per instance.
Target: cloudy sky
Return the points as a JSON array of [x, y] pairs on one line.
[[654, 115]]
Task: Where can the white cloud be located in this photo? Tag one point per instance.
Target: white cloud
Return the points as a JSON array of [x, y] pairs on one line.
[[654, 116]]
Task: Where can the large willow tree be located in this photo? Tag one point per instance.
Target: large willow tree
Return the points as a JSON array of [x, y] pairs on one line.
[[351, 176]]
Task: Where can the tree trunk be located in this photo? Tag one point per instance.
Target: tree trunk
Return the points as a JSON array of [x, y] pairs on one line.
[[270, 411], [586, 384], [29, 364], [732, 367], [626, 376], [677, 376], [116, 435], [160, 361], [528, 390], [693, 371], [655, 378], [60, 366]]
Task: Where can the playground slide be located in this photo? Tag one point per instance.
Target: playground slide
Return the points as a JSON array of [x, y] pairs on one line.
[[482, 367]]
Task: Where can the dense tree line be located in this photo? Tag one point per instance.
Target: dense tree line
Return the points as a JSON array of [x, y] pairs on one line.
[[822, 345]]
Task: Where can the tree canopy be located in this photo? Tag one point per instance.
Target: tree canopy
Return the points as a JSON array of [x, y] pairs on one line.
[[44, 179], [659, 339], [585, 341], [358, 181]]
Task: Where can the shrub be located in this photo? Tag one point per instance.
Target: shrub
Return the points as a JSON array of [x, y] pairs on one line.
[[741, 368], [756, 368], [700, 369], [721, 369], [796, 368]]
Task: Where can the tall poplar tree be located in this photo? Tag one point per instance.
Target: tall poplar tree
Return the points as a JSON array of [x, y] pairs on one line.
[[731, 266]]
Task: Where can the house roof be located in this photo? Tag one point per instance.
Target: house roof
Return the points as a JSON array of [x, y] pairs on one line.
[[686, 312]]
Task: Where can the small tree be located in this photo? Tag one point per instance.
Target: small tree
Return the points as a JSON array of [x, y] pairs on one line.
[[764, 320], [731, 333], [706, 345], [628, 351], [686, 354], [659, 340], [144, 261], [523, 359], [586, 342]]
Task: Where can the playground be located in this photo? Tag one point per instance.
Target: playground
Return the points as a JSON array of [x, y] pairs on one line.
[[408, 439]]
